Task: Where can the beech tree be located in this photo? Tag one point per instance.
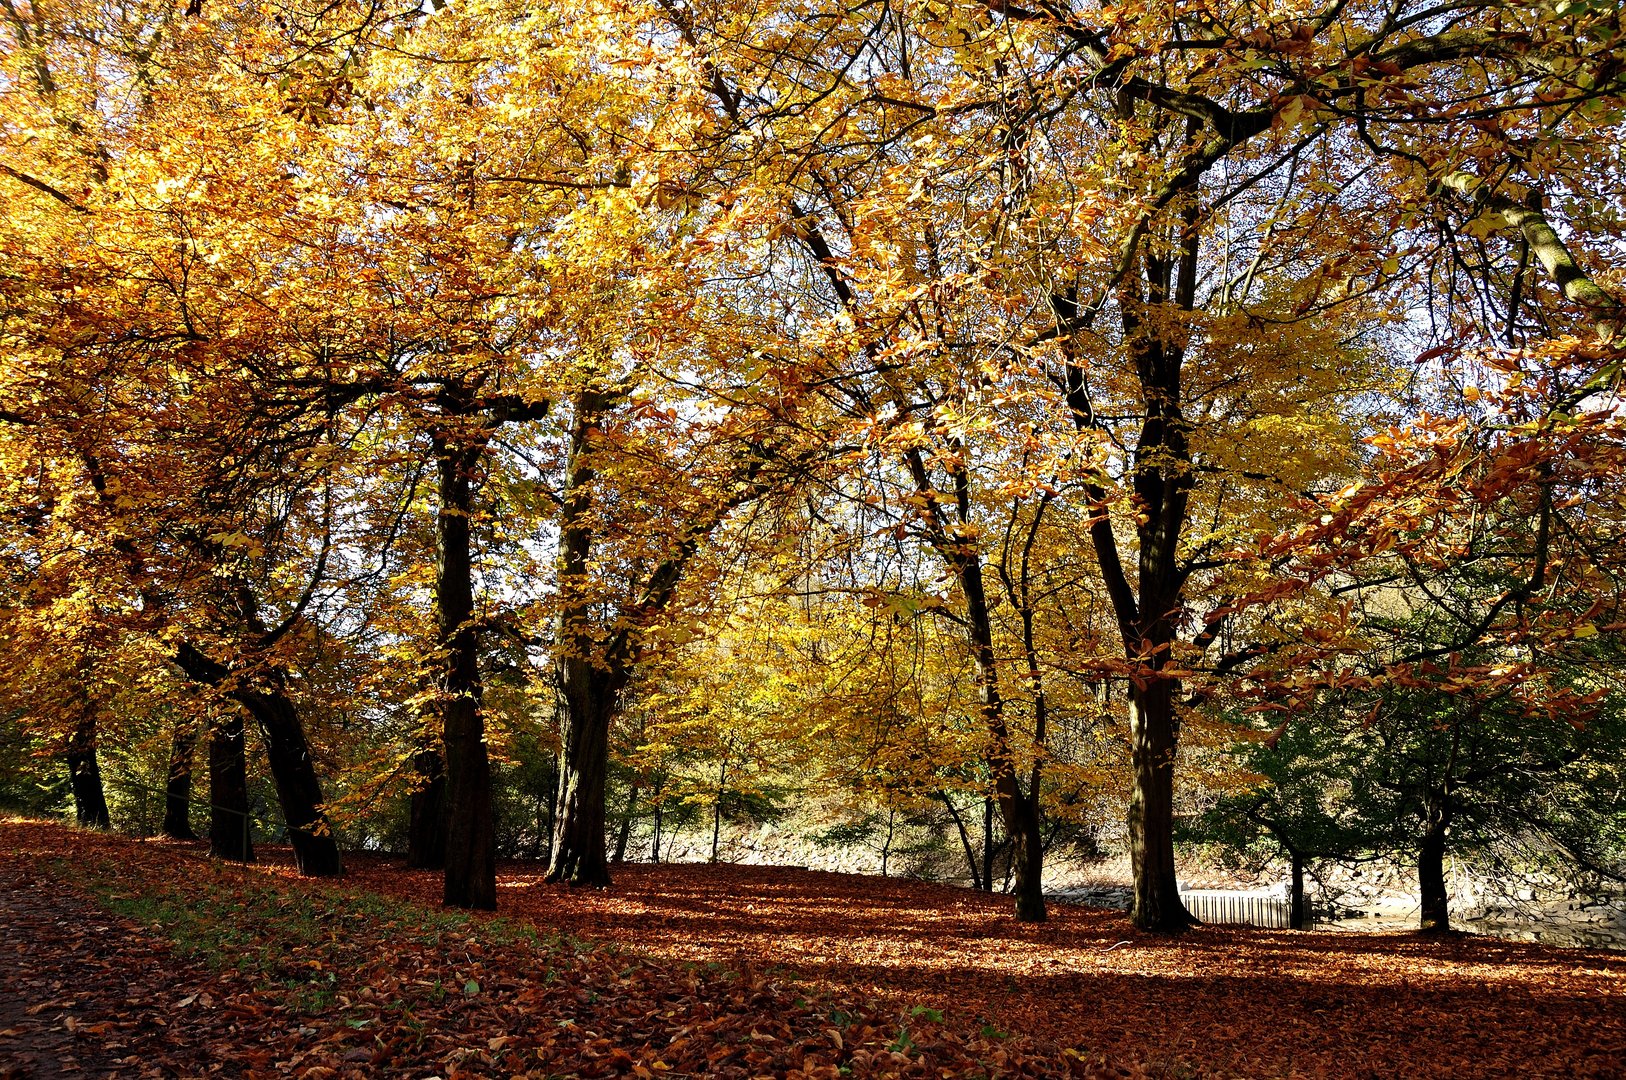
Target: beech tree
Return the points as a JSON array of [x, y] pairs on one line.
[[147, 385], [626, 543]]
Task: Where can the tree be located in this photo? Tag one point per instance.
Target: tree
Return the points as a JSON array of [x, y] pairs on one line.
[[1482, 560], [1313, 801], [604, 622], [177, 824], [1195, 120]]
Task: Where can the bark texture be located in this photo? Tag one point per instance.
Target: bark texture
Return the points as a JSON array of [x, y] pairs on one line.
[[426, 827], [589, 672], [316, 850], [178, 787], [230, 828], [579, 842], [471, 853], [1156, 904]]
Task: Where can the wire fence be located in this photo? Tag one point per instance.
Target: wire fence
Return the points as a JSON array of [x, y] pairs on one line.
[[247, 818]]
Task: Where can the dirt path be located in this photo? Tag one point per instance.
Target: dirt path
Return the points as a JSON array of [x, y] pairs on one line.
[[86, 994], [66, 1011]]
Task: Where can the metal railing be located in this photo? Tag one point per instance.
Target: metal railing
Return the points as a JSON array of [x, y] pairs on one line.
[[1244, 909]]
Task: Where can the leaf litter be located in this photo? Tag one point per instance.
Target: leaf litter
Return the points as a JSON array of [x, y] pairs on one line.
[[686, 970]]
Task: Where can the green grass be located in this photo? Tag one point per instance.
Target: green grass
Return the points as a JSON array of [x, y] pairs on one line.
[[305, 941]]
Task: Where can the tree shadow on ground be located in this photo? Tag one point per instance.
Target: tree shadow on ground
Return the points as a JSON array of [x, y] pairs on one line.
[[1249, 1002]]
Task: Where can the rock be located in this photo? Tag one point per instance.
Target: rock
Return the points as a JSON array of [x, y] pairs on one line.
[[1109, 897]]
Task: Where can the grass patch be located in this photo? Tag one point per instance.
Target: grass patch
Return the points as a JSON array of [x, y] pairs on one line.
[[312, 944]]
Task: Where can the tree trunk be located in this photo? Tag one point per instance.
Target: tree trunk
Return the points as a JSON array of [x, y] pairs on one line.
[[1162, 478], [717, 809], [965, 838], [624, 832], [1295, 915], [471, 851], [547, 797], [988, 845], [1157, 905], [230, 829], [965, 562], [596, 665], [426, 826], [264, 696], [89, 798], [1436, 916], [579, 834], [85, 776], [655, 825], [178, 788], [316, 850], [1027, 860], [589, 689], [886, 847]]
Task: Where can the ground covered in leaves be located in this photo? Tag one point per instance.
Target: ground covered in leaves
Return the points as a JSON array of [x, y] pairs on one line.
[[125, 958], [1222, 1000], [699, 970]]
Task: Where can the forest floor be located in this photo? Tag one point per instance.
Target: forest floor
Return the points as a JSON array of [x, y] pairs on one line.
[[720, 970]]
